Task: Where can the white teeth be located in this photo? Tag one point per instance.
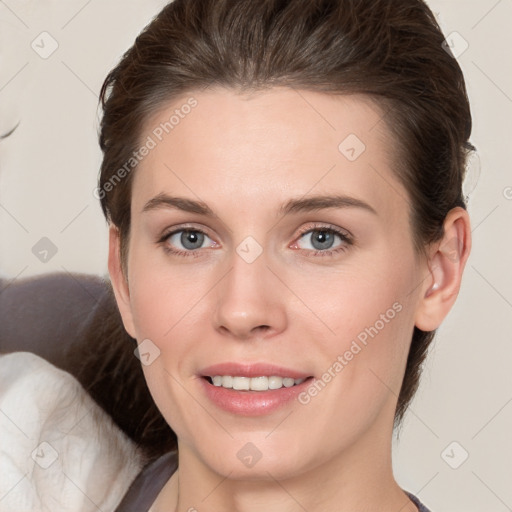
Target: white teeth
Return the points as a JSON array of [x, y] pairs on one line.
[[288, 382], [227, 381], [241, 383], [217, 380], [259, 383], [254, 383], [275, 382]]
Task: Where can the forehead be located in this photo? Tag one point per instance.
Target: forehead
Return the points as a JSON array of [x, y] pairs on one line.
[[236, 149]]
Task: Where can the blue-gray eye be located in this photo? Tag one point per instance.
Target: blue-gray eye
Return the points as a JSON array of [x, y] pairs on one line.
[[321, 239], [189, 239]]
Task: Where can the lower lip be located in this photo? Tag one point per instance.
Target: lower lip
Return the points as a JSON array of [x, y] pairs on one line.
[[252, 403]]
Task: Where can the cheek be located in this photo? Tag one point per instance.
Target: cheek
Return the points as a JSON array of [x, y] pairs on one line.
[[155, 308], [364, 358], [161, 295], [358, 302], [367, 321], [163, 312]]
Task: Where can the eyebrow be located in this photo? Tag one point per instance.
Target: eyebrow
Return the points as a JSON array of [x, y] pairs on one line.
[[303, 204]]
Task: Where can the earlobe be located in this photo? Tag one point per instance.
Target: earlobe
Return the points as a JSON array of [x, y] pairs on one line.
[[446, 264], [119, 280]]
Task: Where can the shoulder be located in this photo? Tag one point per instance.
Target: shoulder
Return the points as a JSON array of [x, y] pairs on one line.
[[58, 448], [145, 489]]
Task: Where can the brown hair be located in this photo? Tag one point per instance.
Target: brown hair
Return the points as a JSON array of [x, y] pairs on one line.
[[390, 50]]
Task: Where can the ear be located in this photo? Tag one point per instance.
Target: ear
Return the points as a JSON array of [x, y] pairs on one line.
[[119, 280], [446, 262]]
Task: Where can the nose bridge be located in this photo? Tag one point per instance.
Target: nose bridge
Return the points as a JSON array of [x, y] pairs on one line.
[[248, 300]]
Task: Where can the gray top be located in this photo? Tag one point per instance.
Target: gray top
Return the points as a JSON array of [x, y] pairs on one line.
[[150, 481], [417, 502]]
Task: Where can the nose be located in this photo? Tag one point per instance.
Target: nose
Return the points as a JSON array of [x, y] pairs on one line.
[[250, 301]]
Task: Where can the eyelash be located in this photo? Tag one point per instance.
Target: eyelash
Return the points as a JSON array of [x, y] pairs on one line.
[[343, 235]]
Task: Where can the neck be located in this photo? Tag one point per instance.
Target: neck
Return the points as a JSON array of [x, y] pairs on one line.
[[359, 478]]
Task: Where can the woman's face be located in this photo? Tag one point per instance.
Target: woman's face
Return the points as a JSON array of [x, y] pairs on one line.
[[299, 263]]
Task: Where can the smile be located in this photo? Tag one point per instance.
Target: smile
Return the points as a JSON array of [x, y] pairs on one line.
[[262, 383]]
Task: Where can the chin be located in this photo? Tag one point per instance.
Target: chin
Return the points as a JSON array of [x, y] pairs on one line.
[[255, 460]]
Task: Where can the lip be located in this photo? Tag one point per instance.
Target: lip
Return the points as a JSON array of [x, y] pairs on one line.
[[251, 403], [252, 370]]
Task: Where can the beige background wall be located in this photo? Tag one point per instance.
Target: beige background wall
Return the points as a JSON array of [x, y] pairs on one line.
[[49, 166]]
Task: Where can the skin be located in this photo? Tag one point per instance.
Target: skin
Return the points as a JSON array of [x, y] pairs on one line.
[[244, 156]]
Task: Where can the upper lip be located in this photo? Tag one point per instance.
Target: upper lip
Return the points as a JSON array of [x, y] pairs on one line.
[[252, 370]]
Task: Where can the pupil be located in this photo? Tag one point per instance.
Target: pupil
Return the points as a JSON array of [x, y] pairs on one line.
[[192, 239], [324, 238]]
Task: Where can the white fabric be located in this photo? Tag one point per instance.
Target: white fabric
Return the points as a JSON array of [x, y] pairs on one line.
[[59, 451]]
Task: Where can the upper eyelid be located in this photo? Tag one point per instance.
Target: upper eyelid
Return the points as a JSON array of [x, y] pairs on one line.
[[173, 230], [327, 227]]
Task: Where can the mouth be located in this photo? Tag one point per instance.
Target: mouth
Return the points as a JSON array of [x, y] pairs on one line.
[[258, 383], [252, 389]]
